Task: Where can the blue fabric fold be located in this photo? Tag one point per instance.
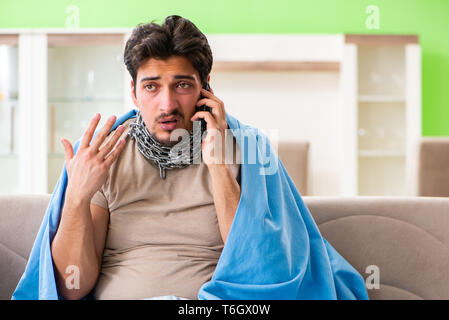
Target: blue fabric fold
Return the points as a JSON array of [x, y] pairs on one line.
[[274, 249]]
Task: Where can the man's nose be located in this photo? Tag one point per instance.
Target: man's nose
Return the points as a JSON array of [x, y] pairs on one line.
[[167, 103]]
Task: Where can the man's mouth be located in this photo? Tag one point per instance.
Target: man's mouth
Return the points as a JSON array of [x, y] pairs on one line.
[[168, 123]]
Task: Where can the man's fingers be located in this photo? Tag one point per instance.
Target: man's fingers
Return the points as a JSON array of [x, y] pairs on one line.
[[87, 137], [68, 150], [114, 154], [103, 133], [110, 144], [207, 116]]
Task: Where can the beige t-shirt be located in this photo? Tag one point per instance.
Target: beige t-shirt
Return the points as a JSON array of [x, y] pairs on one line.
[[163, 236]]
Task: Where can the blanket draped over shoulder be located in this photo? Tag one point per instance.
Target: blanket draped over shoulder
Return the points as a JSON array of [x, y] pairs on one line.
[[274, 249]]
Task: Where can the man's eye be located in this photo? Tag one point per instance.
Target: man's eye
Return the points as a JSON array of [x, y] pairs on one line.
[[149, 87], [184, 85]]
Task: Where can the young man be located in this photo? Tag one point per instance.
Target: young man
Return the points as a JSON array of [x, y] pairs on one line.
[[134, 223], [130, 221]]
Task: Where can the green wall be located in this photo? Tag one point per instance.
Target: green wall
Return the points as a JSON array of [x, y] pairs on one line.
[[427, 18]]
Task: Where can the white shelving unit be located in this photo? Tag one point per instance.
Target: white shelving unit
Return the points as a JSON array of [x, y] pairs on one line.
[[9, 161], [356, 99], [64, 77], [85, 76], [382, 99]]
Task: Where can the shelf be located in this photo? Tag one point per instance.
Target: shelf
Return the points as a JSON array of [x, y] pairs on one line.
[[93, 39], [85, 100], [381, 39], [379, 153], [56, 155], [279, 66], [8, 156], [9, 101], [381, 98], [72, 100], [9, 39]]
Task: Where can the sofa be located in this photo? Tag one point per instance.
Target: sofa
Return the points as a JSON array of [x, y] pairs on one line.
[[295, 157], [400, 241], [432, 169]]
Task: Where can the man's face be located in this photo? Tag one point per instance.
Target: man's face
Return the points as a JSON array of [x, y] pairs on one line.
[[167, 90]]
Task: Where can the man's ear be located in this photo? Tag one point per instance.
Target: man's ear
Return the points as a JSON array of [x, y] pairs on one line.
[[133, 93]]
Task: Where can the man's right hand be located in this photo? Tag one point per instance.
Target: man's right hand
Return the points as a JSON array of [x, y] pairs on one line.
[[88, 169]]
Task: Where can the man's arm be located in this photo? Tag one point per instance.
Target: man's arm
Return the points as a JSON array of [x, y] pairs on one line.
[[79, 241], [226, 190], [226, 193]]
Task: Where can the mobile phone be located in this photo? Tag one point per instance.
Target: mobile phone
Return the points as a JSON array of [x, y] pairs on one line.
[[204, 108]]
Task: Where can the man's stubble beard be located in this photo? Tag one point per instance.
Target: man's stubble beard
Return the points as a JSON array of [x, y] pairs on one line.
[[165, 143]]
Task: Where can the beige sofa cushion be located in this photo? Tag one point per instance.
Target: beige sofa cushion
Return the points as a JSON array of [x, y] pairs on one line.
[[406, 238], [295, 157], [20, 216], [433, 167]]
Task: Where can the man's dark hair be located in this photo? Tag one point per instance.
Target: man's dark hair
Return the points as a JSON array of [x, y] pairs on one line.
[[176, 36]]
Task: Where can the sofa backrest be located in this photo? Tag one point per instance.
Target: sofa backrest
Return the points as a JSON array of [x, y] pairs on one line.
[[295, 157], [433, 167], [404, 240], [20, 216]]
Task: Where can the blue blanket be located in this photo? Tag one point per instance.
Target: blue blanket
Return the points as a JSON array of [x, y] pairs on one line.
[[274, 249]]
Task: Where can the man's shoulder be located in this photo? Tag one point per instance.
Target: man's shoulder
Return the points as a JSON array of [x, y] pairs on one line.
[[126, 125]]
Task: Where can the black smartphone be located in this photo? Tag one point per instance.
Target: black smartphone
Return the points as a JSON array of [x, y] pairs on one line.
[[204, 108]]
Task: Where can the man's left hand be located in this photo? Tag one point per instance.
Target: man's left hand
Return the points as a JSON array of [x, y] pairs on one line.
[[216, 127]]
